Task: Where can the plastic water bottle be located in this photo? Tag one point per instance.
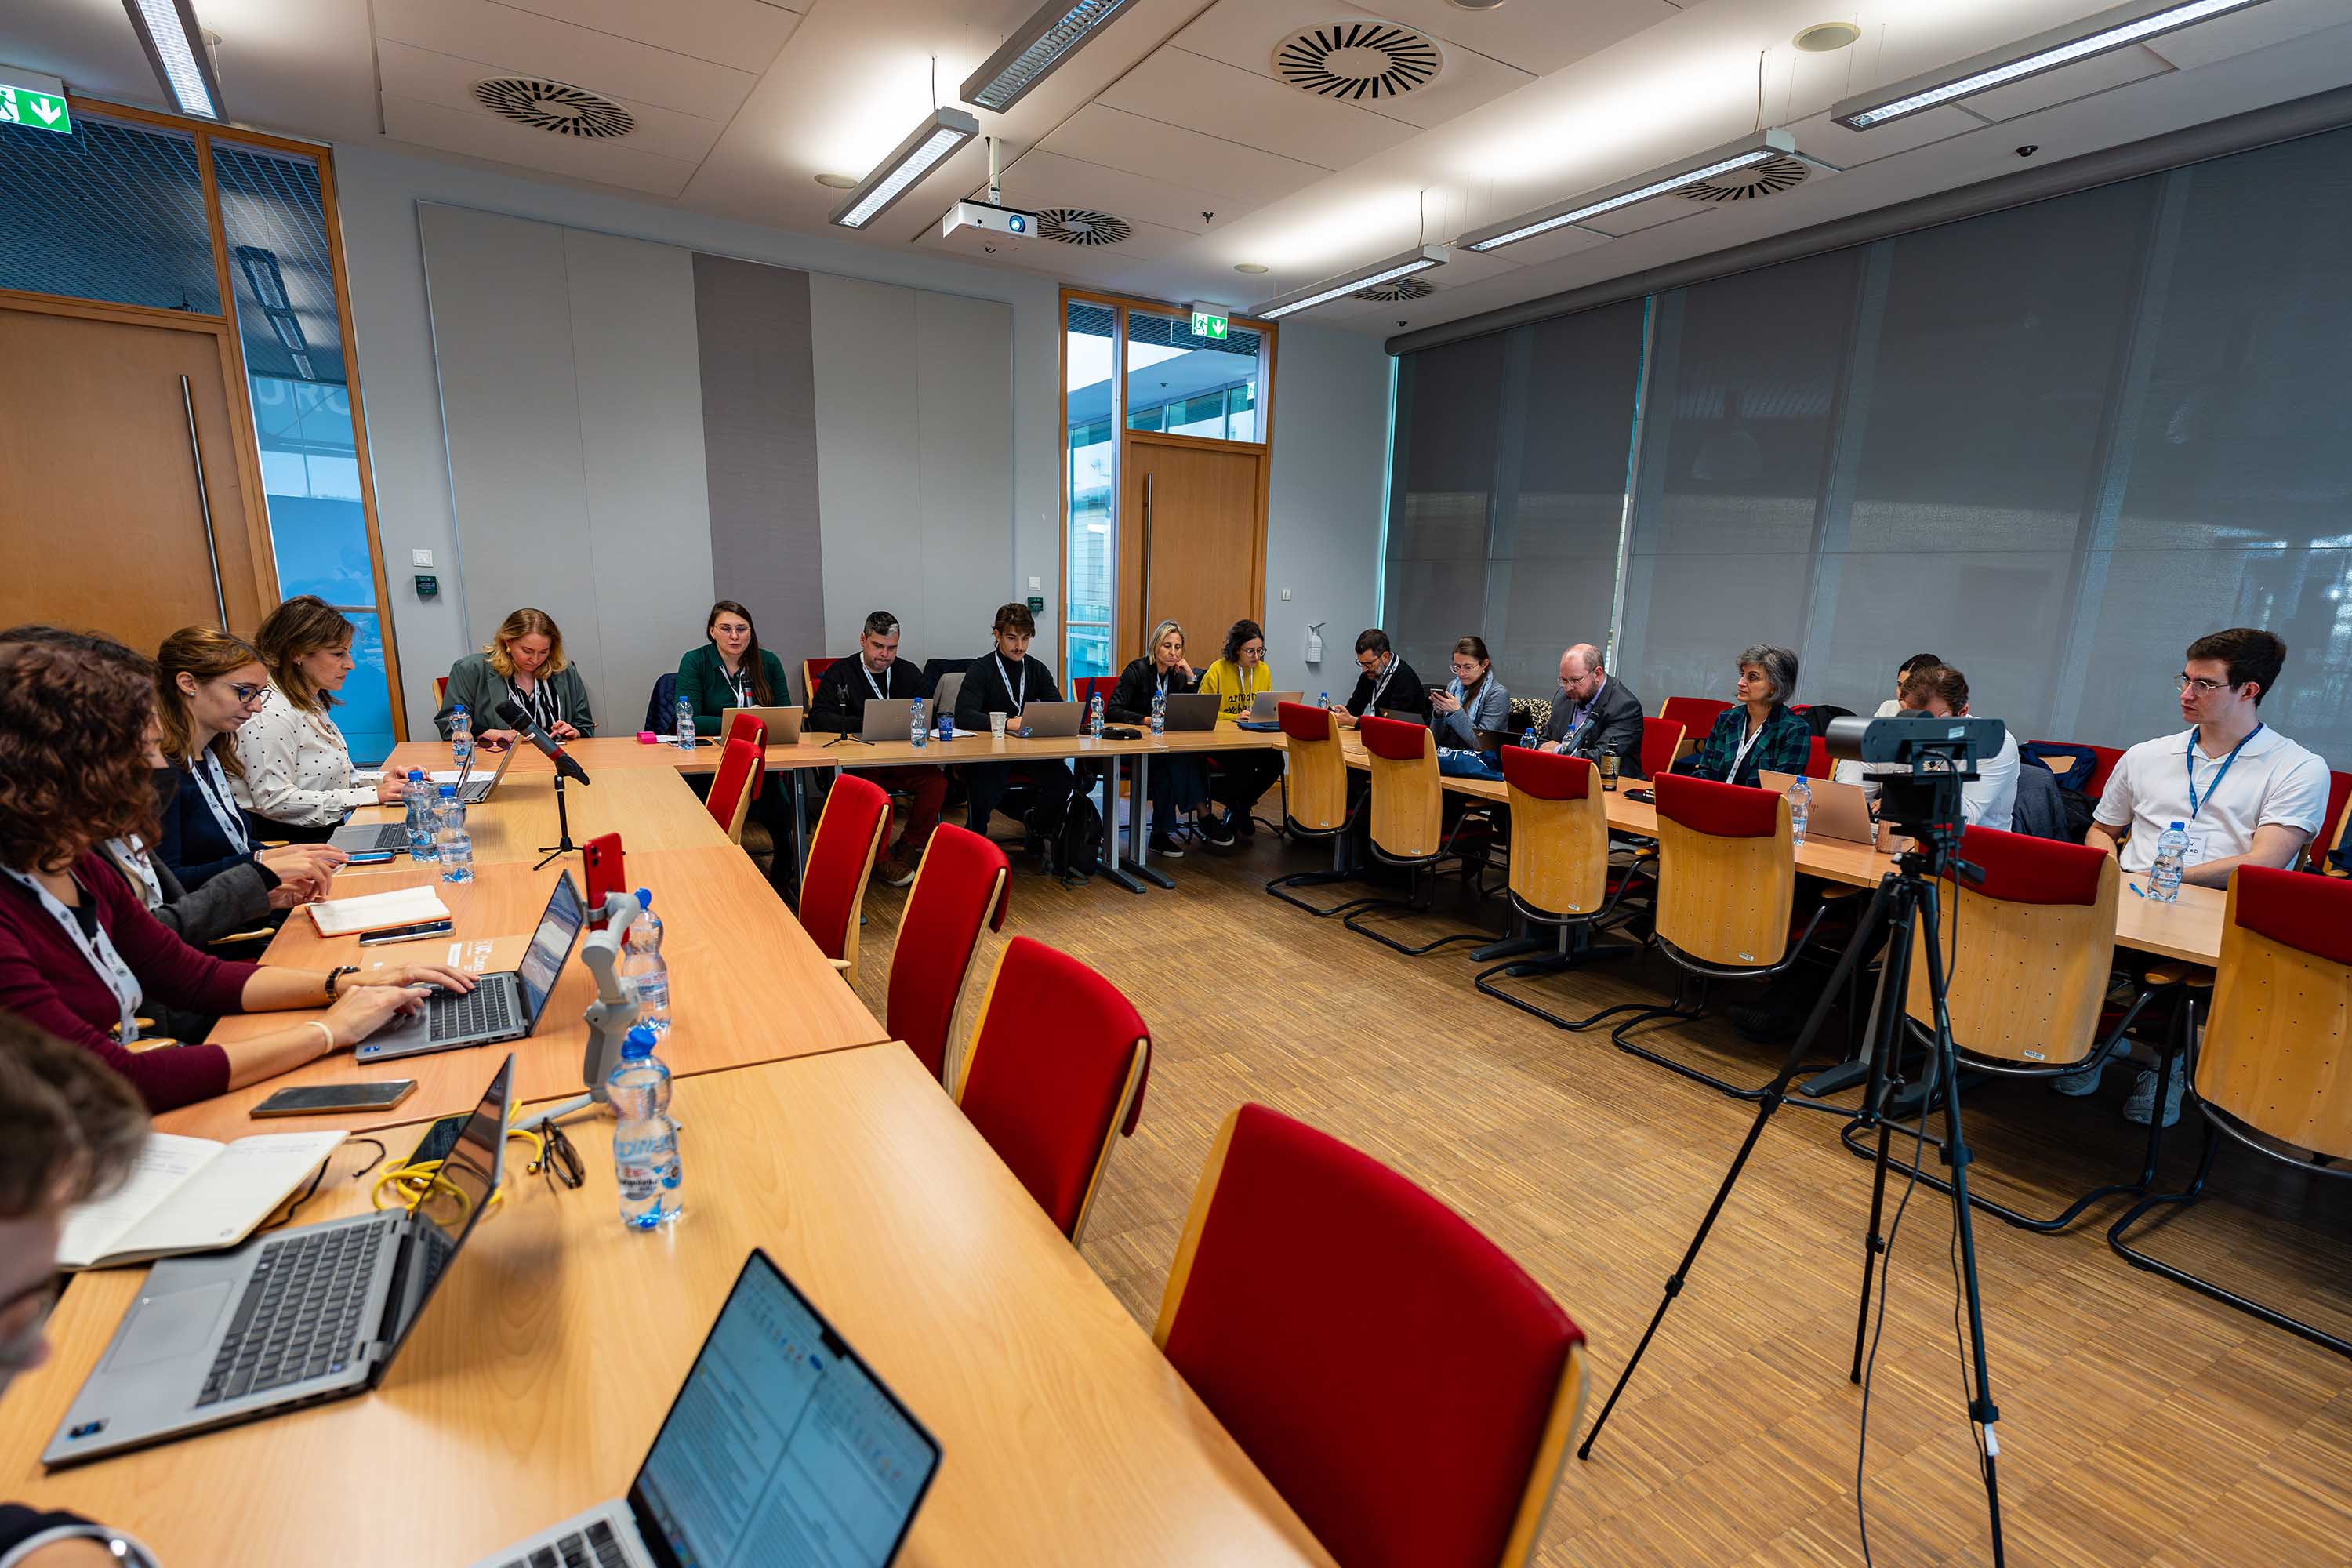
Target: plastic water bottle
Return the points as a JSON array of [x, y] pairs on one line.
[[1528, 742], [947, 724], [424, 842], [2164, 872], [685, 724], [1158, 714], [1094, 717], [645, 970], [461, 737], [644, 1140], [1322, 699], [919, 733], [456, 842], [1800, 808]]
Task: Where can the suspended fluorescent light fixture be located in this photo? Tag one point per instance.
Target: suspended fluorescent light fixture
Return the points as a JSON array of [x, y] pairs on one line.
[[1420, 258], [175, 47], [2128, 24], [925, 149], [1770, 143], [1035, 48]]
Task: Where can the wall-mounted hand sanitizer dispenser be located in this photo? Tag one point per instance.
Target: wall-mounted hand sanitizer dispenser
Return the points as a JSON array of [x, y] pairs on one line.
[[1314, 642]]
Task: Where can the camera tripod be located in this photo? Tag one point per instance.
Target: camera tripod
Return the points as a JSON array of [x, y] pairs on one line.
[[1904, 902]]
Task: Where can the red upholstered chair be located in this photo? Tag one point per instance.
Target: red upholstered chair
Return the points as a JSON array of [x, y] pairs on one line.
[[1051, 1099], [1407, 804], [1404, 1386], [752, 728], [2269, 1069], [1817, 760], [730, 788], [757, 841], [841, 857], [1314, 799], [812, 672], [1559, 876], [2108, 756], [961, 885], [1697, 715], [1662, 743], [2331, 835], [440, 689]]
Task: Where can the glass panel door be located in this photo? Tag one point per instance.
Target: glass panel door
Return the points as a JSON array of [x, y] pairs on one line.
[[1089, 457]]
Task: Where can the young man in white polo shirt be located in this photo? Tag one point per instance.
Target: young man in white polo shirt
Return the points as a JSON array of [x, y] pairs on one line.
[[2245, 794]]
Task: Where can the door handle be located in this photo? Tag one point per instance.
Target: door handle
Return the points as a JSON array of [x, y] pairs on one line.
[[204, 501], [1146, 628]]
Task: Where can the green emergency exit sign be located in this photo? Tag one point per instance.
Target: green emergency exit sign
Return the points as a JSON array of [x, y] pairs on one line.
[[1208, 321], [39, 102]]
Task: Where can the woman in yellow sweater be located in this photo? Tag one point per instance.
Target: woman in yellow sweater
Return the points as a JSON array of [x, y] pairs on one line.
[[1239, 778]]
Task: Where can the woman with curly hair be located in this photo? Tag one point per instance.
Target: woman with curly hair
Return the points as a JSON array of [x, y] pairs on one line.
[[80, 954]]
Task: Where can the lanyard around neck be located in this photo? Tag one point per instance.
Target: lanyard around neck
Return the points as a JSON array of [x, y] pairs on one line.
[[2189, 757], [1019, 694], [883, 691], [1747, 744], [1381, 685], [206, 769], [97, 951]]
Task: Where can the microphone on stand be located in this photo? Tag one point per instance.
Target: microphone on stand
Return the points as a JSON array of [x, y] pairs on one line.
[[519, 718]]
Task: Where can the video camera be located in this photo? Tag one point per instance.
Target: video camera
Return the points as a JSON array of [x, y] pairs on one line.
[[1918, 762]]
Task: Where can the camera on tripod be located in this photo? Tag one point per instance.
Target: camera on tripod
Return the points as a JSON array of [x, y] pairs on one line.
[[1918, 762]]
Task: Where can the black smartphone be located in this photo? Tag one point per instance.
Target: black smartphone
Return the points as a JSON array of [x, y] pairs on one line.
[[439, 1138], [1645, 796], [370, 858], [416, 932], [325, 1099]]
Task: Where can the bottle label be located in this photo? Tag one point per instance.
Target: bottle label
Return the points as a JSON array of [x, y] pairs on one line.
[[640, 1183]]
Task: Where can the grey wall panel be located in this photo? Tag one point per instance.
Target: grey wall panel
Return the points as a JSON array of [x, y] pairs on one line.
[[965, 347], [1323, 511], [868, 375], [759, 439], [647, 515]]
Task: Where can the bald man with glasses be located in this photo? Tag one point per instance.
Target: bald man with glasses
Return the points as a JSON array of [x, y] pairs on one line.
[[1594, 712]]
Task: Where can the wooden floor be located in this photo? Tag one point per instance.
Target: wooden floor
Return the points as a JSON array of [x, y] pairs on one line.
[[2141, 1424]]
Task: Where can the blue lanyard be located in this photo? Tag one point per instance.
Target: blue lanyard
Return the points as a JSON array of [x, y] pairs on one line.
[[2188, 758]]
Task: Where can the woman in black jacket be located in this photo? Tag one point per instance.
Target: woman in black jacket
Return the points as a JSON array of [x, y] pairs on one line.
[[1179, 785]]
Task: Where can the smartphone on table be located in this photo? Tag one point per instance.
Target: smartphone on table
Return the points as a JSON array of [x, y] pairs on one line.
[[370, 858], [326, 1099], [416, 932], [601, 858]]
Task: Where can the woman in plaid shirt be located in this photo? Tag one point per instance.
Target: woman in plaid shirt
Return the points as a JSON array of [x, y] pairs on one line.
[[1760, 734]]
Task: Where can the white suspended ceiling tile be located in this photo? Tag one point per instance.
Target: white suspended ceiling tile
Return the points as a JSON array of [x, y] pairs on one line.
[[520, 43], [1179, 87], [2095, 75], [447, 82], [481, 136], [2242, 32], [1824, 138], [1039, 180], [1117, 140], [744, 33]]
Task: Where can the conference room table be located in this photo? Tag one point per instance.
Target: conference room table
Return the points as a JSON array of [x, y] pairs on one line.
[[536, 1379]]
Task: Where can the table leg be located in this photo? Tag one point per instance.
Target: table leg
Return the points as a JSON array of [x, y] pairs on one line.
[[1139, 825], [800, 820], [1110, 855]]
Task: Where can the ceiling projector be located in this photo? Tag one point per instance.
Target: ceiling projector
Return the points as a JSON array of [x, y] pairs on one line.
[[988, 223]]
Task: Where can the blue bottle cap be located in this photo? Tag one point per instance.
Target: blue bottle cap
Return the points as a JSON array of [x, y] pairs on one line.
[[645, 898], [416, 775], [2177, 826], [639, 1044], [448, 791]]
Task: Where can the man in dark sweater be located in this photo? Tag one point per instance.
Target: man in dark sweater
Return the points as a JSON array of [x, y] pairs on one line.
[[1594, 712], [1388, 685], [838, 707], [1004, 680]]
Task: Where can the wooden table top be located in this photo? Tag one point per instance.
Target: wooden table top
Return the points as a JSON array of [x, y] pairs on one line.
[[650, 807], [534, 1383], [623, 755], [749, 985]]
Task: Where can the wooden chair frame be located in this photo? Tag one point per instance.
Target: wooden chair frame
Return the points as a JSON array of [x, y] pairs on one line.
[[848, 962], [1559, 876], [1315, 781], [1407, 802]]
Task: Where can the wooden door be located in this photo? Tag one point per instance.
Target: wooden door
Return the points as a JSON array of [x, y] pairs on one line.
[[1191, 540], [102, 513]]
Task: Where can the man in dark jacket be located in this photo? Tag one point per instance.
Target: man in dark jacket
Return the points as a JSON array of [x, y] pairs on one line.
[[1385, 684], [838, 707], [1594, 713], [1005, 679]]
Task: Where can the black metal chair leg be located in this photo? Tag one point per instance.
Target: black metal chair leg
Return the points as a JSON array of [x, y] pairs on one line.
[[1679, 1011], [1409, 905]]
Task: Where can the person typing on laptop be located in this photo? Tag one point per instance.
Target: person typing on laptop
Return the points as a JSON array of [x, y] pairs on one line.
[[1179, 785], [80, 954], [1384, 683], [1237, 779], [1004, 680], [877, 673]]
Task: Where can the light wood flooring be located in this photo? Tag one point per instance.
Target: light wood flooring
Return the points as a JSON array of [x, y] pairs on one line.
[[2141, 1424]]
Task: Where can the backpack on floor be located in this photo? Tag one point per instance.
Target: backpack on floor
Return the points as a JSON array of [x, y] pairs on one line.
[[1073, 836]]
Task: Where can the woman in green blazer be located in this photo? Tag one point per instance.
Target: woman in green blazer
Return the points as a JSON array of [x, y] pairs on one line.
[[730, 670], [524, 661]]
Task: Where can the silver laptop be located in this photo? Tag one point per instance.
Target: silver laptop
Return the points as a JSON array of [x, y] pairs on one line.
[[783, 723], [886, 718], [372, 837], [289, 1319], [782, 1449], [1266, 708], [1052, 721], [1191, 710], [1839, 810], [505, 1006]]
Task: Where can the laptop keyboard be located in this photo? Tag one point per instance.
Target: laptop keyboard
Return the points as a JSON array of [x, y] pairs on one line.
[[594, 1547], [486, 1010], [300, 1315], [389, 836]]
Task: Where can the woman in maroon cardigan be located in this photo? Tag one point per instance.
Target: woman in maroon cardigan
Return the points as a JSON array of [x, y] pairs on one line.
[[78, 952]]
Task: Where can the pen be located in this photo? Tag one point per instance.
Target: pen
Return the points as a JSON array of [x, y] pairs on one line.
[[2135, 888]]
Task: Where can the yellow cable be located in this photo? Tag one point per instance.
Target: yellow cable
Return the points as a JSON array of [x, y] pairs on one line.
[[415, 1184]]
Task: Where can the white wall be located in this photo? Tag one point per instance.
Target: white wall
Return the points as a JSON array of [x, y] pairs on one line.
[[1323, 524]]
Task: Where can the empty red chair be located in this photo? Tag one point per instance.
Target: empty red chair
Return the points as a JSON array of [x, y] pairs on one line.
[[1055, 1073], [1817, 760], [1697, 715], [1404, 1386], [841, 856], [752, 728], [1662, 743], [961, 885], [731, 790]]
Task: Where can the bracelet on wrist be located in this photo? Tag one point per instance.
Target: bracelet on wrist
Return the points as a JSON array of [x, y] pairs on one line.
[[335, 981], [326, 1034]]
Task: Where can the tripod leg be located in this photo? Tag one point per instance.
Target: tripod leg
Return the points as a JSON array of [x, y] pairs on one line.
[[1872, 1244], [1882, 1043]]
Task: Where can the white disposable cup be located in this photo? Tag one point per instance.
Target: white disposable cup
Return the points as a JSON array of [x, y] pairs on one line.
[[996, 724]]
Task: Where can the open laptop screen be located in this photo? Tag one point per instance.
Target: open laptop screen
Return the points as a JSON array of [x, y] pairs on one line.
[[558, 928], [470, 1173], [782, 1447]]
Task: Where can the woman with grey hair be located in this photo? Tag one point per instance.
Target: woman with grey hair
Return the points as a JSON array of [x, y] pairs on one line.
[[1759, 734], [1179, 785]]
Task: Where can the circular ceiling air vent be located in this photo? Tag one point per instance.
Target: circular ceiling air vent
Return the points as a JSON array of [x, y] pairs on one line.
[[555, 106], [1396, 290], [1360, 60], [1075, 225], [1769, 178]]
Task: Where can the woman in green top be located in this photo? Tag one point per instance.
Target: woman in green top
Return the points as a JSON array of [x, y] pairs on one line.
[[523, 662], [730, 671]]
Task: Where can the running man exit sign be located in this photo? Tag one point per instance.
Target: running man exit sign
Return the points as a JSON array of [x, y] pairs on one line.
[[28, 98], [1209, 322]]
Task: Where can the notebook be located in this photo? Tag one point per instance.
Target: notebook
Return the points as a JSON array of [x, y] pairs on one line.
[[376, 911], [191, 1194]]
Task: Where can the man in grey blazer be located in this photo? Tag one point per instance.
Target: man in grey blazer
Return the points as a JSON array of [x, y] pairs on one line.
[[1594, 712]]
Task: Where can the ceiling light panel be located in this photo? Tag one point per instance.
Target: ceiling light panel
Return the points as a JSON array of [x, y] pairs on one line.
[[1404, 264], [1769, 143], [2133, 23], [174, 43], [927, 146], [1035, 50]]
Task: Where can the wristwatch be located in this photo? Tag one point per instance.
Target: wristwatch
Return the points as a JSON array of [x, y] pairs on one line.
[[335, 979]]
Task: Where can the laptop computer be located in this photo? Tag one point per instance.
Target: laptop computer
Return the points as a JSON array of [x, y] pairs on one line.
[[1052, 721], [505, 1006], [1265, 709], [373, 837], [288, 1319], [782, 1448], [886, 718], [783, 723], [1191, 710], [1839, 810]]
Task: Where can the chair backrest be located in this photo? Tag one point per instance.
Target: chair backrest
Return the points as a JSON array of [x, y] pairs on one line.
[[2030, 948], [1407, 1388], [2106, 758], [2330, 836], [1086, 688], [812, 672], [1817, 760], [440, 689], [752, 728], [1054, 1071], [2272, 1055], [661, 708], [841, 857], [944, 695], [1697, 715], [1662, 743], [1317, 782], [1727, 870], [1407, 789], [1559, 833], [730, 789], [962, 885]]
